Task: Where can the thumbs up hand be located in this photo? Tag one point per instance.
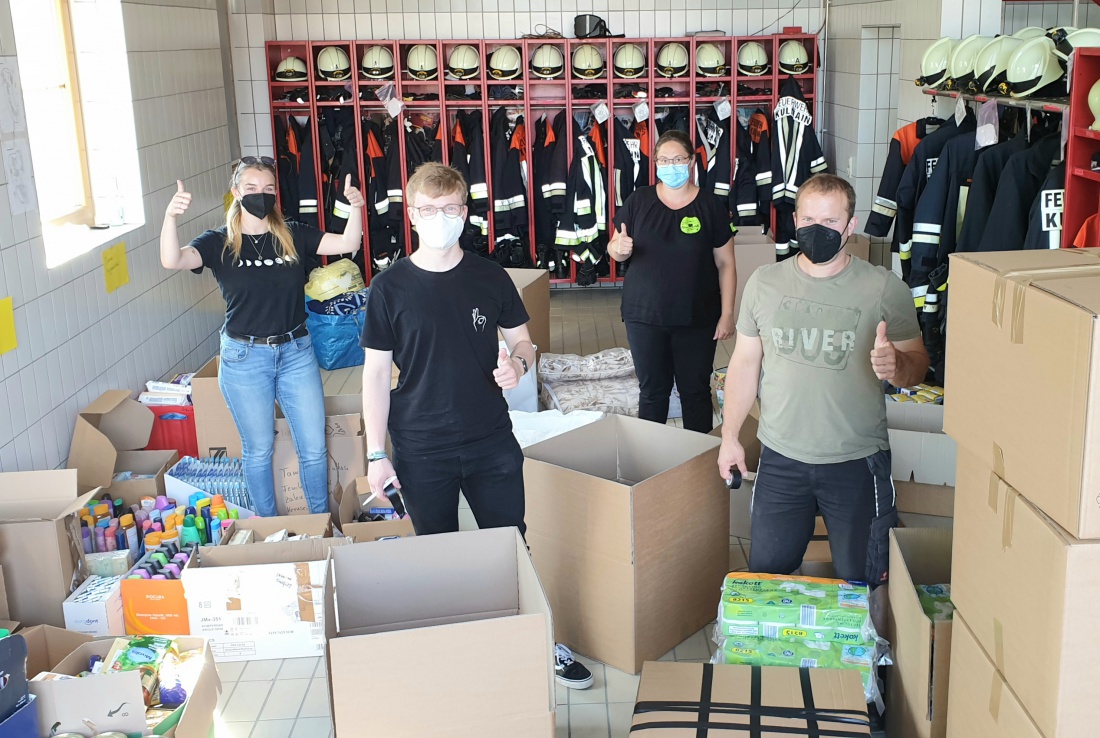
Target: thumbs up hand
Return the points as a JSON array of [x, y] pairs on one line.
[[181, 200], [625, 244], [884, 357], [508, 373], [352, 195]]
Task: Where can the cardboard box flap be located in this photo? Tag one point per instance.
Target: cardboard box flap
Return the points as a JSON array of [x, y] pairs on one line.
[[412, 579], [776, 697], [40, 495], [319, 524], [287, 552], [922, 417], [925, 458], [111, 424], [925, 499], [47, 646], [197, 720]]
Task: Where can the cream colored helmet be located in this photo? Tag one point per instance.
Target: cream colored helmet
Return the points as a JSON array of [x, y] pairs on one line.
[[991, 64], [547, 62], [1032, 67], [1029, 32], [752, 59], [464, 62], [710, 60], [1081, 38], [588, 63], [629, 61], [960, 68], [422, 63], [333, 63], [504, 63], [793, 58], [933, 65], [377, 62], [672, 60], [291, 69]]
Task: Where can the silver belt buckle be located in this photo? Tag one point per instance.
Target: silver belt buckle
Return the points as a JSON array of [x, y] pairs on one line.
[[272, 340]]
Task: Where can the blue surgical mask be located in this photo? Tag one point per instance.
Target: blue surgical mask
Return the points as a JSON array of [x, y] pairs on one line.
[[674, 175]]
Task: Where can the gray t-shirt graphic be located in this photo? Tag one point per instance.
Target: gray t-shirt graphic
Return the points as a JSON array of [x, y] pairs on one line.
[[820, 402]]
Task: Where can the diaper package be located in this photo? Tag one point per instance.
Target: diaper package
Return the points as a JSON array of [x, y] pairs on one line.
[[935, 599], [794, 608]]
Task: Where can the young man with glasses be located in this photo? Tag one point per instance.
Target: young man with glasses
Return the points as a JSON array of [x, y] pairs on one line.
[[435, 315]]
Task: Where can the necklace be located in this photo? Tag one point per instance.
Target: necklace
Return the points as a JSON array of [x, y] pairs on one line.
[[256, 240]]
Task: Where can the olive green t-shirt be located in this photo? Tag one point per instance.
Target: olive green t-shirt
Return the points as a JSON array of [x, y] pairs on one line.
[[820, 402]]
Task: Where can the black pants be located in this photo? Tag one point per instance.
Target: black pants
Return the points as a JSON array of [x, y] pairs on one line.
[[684, 355], [489, 474], [856, 498]]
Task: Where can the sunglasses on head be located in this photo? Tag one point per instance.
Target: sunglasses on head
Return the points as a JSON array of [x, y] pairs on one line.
[[250, 161]]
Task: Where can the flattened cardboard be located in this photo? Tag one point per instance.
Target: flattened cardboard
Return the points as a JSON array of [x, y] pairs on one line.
[[1029, 591], [838, 690], [214, 426], [983, 705], [629, 574], [917, 697], [534, 290], [113, 701], [47, 646], [1036, 423], [400, 602], [40, 549]]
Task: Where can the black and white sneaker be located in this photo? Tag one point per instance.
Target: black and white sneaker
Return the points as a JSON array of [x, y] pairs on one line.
[[570, 672]]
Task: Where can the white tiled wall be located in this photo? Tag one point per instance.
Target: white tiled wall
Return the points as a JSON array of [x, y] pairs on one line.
[[1045, 15], [75, 340], [254, 21]]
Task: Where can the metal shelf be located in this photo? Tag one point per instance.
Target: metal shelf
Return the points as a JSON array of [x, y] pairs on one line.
[[1057, 105]]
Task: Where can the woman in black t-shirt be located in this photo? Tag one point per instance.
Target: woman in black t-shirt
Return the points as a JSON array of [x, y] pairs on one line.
[[678, 295], [266, 353]]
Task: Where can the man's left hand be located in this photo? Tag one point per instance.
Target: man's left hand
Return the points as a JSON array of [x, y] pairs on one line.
[[508, 372], [884, 357], [352, 194], [724, 329]]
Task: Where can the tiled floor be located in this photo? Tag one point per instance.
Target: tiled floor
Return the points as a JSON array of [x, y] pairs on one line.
[[289, 699]]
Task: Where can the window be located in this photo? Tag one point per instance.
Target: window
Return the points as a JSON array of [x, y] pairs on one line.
[[75, 77]]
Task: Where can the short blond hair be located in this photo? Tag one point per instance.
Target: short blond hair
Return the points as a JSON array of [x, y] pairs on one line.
[[828, 184], [435, 180]]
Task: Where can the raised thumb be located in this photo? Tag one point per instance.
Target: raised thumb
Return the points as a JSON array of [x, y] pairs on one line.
[[502, 358], [622, 230], [179, 185], [880, 338]]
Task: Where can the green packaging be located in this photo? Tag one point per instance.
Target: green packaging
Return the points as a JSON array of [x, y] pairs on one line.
[[794, 608], [805, 654], [935, 599]]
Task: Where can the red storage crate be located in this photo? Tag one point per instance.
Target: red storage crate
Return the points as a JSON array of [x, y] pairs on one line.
[[174, 435]]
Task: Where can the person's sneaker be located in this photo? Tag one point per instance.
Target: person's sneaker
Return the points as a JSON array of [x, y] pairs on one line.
[[570, 672]]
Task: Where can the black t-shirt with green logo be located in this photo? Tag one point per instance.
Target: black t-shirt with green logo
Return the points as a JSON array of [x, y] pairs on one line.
[[672, 279]]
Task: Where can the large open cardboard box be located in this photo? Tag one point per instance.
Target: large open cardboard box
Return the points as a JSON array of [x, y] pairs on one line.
[[47, 646], [534, 290], [1029, 591], [411, 612], [40, 549], [628, 523], [1029, 320], [261, 602], [732, 698], [918, 680], [107, 439], [214, 426], [114, 702], [983, 705]]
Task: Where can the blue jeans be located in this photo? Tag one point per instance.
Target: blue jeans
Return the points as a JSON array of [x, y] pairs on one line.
[[252, 377]]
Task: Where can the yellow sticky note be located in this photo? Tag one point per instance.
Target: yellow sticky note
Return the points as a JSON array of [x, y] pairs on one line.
[[8, 341], [227, 200], [115, 271]]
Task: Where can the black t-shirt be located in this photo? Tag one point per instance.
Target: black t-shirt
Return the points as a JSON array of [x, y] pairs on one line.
[[264, 296], [673, 280], [442, 330]]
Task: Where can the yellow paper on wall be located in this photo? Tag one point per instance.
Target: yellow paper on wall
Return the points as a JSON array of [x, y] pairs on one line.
[[8, 341], [115, 271], [227, 200]]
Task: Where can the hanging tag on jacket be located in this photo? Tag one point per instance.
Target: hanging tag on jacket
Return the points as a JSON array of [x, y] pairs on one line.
[[600, 111], [960, 110], [641, 112], [722, 107], [988, 124]]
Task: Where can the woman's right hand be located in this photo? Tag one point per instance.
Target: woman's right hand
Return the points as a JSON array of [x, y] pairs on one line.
[[180, 201], [378, 472], [624, 244]]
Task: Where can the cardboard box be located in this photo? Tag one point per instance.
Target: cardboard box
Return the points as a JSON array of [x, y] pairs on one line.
[[261, 602], [751, 250], [1029, 591], [101, 618], [534, 290], [156, 606], [628, 524], [859, 246], [983, 705], [302, 525], [358, 490], [1027, 320], [918, 447], [767, 694], [919, 679], [214, 426], [47, 646], [40, 549], [5, 615], [412, 611], [114, 702], [346, 446], [107, 439], [23, 722]]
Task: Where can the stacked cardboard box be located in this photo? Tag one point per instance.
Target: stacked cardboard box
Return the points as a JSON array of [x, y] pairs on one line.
[[1024, 376]]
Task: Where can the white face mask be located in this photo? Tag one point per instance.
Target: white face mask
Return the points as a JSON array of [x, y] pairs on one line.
[[441, 232]]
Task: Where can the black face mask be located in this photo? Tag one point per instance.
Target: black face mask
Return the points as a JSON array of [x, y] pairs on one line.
[[259, 204], [819, 243]]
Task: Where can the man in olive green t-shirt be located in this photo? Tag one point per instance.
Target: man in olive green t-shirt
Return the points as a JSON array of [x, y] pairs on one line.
[[816, 336]]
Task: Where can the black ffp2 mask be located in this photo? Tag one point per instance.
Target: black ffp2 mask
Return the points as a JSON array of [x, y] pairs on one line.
[[259, 204], [819, 243]]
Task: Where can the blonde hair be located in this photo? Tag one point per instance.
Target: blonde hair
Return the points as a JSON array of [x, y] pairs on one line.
[[828, 184], [435, 180], [284, 242]]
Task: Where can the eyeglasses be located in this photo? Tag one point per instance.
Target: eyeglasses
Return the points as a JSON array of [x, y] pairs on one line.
[[428, 211], [678, 161], [251, 161]]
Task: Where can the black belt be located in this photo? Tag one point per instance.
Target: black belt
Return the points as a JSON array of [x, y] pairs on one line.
[[282, 338]]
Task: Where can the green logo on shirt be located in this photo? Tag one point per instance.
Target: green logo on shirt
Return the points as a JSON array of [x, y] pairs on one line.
[[690, 224]]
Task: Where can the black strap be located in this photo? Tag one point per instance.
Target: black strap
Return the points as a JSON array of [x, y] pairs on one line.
[[705, 693], [808, 702], [772, 730], [754, 699]]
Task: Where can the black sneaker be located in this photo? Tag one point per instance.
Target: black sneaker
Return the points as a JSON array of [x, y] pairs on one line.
[[569, 672]]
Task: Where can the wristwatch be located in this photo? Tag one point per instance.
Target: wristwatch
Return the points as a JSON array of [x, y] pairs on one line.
[[524, 362]]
